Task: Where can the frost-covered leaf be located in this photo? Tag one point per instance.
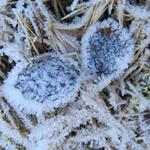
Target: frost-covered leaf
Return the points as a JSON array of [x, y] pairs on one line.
[[106, 51], [44, 83]]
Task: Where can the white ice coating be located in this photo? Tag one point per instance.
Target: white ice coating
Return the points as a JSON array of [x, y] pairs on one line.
[[42, 84], [106, 55]]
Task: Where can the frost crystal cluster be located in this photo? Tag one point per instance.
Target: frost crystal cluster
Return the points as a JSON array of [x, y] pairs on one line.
[[107, 50], [44, 83], [49, 79], [81, 125], [74, 75]]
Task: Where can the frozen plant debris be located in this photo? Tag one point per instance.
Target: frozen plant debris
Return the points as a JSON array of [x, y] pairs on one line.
[[49, 79], [137, 2], [82, 123], [107, 50], [145, 120], [46, 80], [99, 98]]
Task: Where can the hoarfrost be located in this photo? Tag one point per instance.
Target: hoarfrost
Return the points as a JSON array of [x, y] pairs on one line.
[[43, 83], [106, 51], [48, 79]]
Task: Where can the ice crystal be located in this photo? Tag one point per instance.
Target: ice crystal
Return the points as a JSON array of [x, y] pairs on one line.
[[81, 123], [107, 49], [145, 120], [48, 79], [115, 118], [137, 2]]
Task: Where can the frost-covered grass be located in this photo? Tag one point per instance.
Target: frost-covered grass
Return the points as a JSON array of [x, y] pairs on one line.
[[94, 93]]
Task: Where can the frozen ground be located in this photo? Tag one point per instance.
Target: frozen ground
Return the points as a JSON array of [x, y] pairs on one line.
[[74, 75]]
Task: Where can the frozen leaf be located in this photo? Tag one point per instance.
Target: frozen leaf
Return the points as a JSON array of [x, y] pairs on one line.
[[46, 81], [106, 51]]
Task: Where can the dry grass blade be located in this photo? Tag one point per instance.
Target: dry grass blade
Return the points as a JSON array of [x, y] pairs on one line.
[[25, 29], [74, 4], [93, 12], [61, 41], [57, 8], [11, 118]]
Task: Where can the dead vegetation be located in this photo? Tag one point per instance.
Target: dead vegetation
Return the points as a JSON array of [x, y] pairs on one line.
[[36, 27]]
